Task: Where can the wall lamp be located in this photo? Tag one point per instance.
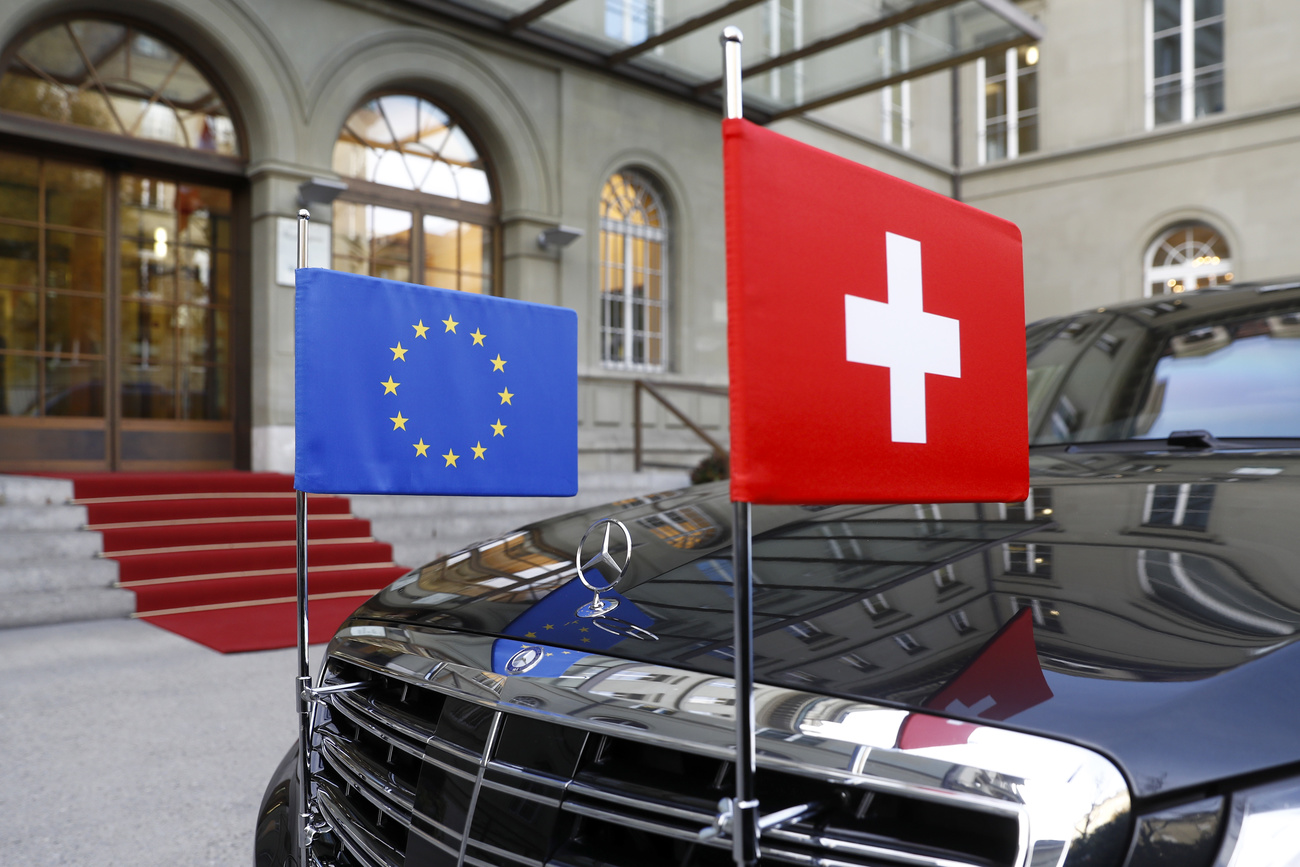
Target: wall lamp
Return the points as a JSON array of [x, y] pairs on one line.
[[321, 190], [558, 237]]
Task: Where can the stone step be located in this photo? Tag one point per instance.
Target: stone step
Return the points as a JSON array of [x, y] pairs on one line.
[[49, 545], [64, 606], [51, 517], [34, 491], [59, 574]]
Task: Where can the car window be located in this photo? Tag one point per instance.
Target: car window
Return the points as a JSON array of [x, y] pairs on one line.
[[1117, 378], [1239, 380]]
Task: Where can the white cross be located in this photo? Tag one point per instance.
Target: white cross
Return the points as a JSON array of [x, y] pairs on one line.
[[903, 337]]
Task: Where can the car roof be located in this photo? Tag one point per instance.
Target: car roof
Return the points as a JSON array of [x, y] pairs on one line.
[[1177, 310]]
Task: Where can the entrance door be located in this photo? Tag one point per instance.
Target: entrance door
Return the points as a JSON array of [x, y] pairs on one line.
[[115, 345]]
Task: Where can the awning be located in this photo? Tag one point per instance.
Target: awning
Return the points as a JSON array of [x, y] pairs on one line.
[[800, 55]]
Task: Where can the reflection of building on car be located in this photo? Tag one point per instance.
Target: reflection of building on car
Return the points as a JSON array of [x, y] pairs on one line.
[[1101, 674]]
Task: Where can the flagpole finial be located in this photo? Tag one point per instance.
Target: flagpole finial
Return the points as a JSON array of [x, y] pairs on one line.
[[731, 40], [304, 214]]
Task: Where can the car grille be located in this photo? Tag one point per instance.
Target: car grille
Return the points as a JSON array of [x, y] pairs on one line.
[[559, 795], [423, 773]]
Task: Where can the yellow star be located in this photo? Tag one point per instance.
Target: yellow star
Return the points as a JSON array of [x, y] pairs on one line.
[[451, 324], [548, 626], [498, 364], [390, 387], [505, 396], [499, 429], [582, 629], [400, 422], [398, 351], [479, 449], [450, 457], [586, 641], [478, 337], [530, 635], [420, 329], [421, 450]]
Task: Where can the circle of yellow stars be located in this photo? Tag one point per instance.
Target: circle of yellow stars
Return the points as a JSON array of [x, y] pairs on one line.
[[498, 366]]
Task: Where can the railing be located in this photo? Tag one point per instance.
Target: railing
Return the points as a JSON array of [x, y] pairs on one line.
[[641, 385]]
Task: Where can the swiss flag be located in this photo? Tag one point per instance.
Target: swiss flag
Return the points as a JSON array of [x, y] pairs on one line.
[[876, 331]]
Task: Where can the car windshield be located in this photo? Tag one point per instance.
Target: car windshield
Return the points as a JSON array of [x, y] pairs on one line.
[[1105, 376]]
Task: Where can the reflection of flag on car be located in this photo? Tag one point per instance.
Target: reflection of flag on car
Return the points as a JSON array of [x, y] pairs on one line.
[[876, 334], [408, 389], [1004, 679], [553, 620]]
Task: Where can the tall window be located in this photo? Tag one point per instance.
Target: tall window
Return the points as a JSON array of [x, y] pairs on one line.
[[1187, 256], [1007, 110], [111, 77], [896, 99], [419, 203], [633, 21], [633, 268], [1184, 75], [783, 33]]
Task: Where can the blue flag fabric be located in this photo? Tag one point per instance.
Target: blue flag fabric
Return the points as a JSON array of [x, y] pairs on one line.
[[406, 389]]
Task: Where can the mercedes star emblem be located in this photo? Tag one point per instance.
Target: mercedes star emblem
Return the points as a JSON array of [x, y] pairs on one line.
[[599, 606]]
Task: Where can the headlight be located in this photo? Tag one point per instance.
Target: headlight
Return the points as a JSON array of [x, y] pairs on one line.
[[1262, 828]]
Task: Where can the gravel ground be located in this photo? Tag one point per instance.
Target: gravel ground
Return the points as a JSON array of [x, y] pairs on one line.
[[123, 744]]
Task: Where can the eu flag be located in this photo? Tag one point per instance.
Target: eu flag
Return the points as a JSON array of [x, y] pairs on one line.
[[406, 389]]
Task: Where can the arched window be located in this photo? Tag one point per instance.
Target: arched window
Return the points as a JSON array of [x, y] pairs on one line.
[[115, 78], [419, 203], [1187, 256], [633, 270]]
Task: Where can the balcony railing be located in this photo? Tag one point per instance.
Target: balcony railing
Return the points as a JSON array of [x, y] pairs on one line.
[[656, 390]]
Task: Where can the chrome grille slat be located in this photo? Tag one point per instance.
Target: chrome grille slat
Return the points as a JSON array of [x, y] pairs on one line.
[[520, 793], [361, 843], [395, 800], [596, 793], [641, 824], [390, 717], [502, 853], [360, 717]]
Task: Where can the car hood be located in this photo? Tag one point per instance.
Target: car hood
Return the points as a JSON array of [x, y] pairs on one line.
[[1146, 605]]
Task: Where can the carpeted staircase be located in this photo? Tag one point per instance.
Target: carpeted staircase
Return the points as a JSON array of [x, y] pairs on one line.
[[212, 556]]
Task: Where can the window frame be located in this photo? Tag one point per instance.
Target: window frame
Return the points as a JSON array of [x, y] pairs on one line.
[[1187, 71], [146, 148], [488, 215], [1015, 113], [902, 107], [1220, 272], [648, 183]]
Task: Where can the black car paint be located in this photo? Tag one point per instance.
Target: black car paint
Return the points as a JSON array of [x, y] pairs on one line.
[[1179, 699]]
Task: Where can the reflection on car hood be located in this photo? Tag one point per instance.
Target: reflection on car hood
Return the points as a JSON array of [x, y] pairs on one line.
[[1163, 592]]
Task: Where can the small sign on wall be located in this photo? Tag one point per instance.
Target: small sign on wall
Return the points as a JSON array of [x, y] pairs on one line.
[[286, 248]]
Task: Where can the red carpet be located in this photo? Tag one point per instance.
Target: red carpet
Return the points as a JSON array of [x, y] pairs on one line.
[[212, 556]]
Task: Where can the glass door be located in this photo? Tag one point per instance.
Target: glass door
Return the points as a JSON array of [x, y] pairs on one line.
[[173, 322], [115, 322]]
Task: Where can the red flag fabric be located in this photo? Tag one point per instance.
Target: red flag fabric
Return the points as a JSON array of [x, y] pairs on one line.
[[876, 334]]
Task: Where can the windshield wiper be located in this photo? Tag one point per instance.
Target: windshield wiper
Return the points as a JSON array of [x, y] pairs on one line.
[[1184, 441]]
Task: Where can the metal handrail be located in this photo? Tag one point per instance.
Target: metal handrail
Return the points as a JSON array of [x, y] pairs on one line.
[[641, 385]]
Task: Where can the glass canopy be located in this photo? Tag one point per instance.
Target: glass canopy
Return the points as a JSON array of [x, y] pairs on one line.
[[800, 55]]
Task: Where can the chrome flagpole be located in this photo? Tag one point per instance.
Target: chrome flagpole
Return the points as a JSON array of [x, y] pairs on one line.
[[744, 809], [303, 681]]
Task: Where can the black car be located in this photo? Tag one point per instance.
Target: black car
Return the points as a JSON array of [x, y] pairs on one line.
[[1103, 674]]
